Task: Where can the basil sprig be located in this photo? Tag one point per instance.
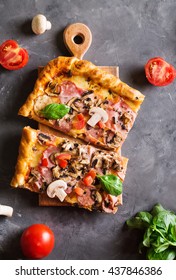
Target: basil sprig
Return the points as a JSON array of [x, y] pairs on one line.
[[111, 184], [159, 228], [55, 111]]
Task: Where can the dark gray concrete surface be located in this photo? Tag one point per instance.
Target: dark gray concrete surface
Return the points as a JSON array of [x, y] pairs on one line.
[[125, 33]]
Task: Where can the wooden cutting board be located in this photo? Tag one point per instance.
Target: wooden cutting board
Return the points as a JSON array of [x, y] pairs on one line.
[[77, 38]]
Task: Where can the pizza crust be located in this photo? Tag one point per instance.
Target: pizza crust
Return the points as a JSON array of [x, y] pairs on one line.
[[25, 154]]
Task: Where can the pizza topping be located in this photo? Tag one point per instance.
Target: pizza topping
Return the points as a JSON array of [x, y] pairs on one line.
[[35, 179], [96, 196], [121, 118], [46, 174], [48, 155], [79, 191], [86, 199], [87, 92], [78, 122], [98, 114], [64, 124], [68, 91], [112, 138], [57, 188], [89, 178], [109, 203], [90, 101], [111, 184], [44, 138], [55, 111], [53, 89], [44, 162], [40, 102], [68, 146], [62, 160], [76, 104], [94, 134], [104, 161], [83, 104], [64, 173]]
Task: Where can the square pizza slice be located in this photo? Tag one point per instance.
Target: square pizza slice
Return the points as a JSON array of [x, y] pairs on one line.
[[69, 172], [78, 98]]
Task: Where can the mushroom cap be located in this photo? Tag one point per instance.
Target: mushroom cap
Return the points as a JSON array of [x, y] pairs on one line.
[[99, 111], [57, 187], [40, 24]]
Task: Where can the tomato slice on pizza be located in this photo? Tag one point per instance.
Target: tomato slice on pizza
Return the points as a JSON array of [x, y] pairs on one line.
[[76, 97], [69, 173]]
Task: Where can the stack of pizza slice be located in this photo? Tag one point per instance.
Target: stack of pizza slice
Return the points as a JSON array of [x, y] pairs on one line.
[[78, 163]]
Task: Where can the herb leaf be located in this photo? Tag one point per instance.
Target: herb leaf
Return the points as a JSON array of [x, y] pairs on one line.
[[159, 237], [55, 111], [157, 209], [111, 184], [141, 220], [168, 254]]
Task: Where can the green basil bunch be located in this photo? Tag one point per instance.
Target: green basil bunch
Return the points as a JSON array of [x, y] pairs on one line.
[[159, 237]]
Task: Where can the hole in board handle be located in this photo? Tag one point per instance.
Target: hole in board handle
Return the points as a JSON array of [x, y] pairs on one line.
[[78, 39]]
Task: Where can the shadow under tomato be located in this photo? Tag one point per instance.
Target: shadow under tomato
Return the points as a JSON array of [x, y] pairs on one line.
[[138, 78]]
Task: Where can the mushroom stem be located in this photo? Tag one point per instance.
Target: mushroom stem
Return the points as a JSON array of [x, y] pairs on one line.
[[94, 119], [48, 25], [57, 188], [6, 210]]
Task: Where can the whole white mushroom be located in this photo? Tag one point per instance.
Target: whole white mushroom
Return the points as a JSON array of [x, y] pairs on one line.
[[40, 24]]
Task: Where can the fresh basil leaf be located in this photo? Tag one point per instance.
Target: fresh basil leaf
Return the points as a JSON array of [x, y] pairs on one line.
[[157, 209], [172, 233], [55, 111], [163, 219], [168, 254], [140, 221], [162, 247], [147, 237], [160, 232], [111, 184], [157, 240]]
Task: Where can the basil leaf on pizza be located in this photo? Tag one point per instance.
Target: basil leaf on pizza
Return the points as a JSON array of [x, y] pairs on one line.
[[111, 184], [55, 111]]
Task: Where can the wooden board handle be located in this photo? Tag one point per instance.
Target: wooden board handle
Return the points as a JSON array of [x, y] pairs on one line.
[[77, 38]]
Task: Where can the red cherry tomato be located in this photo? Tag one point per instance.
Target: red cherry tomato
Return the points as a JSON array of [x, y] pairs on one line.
[[37, 241], [12, 56], [159, 72]]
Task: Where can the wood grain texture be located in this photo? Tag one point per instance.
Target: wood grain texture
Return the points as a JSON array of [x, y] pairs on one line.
[[83, 33]]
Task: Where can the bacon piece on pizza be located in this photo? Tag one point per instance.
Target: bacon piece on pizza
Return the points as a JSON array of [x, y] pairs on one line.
[[69, 173], [76, 97]]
